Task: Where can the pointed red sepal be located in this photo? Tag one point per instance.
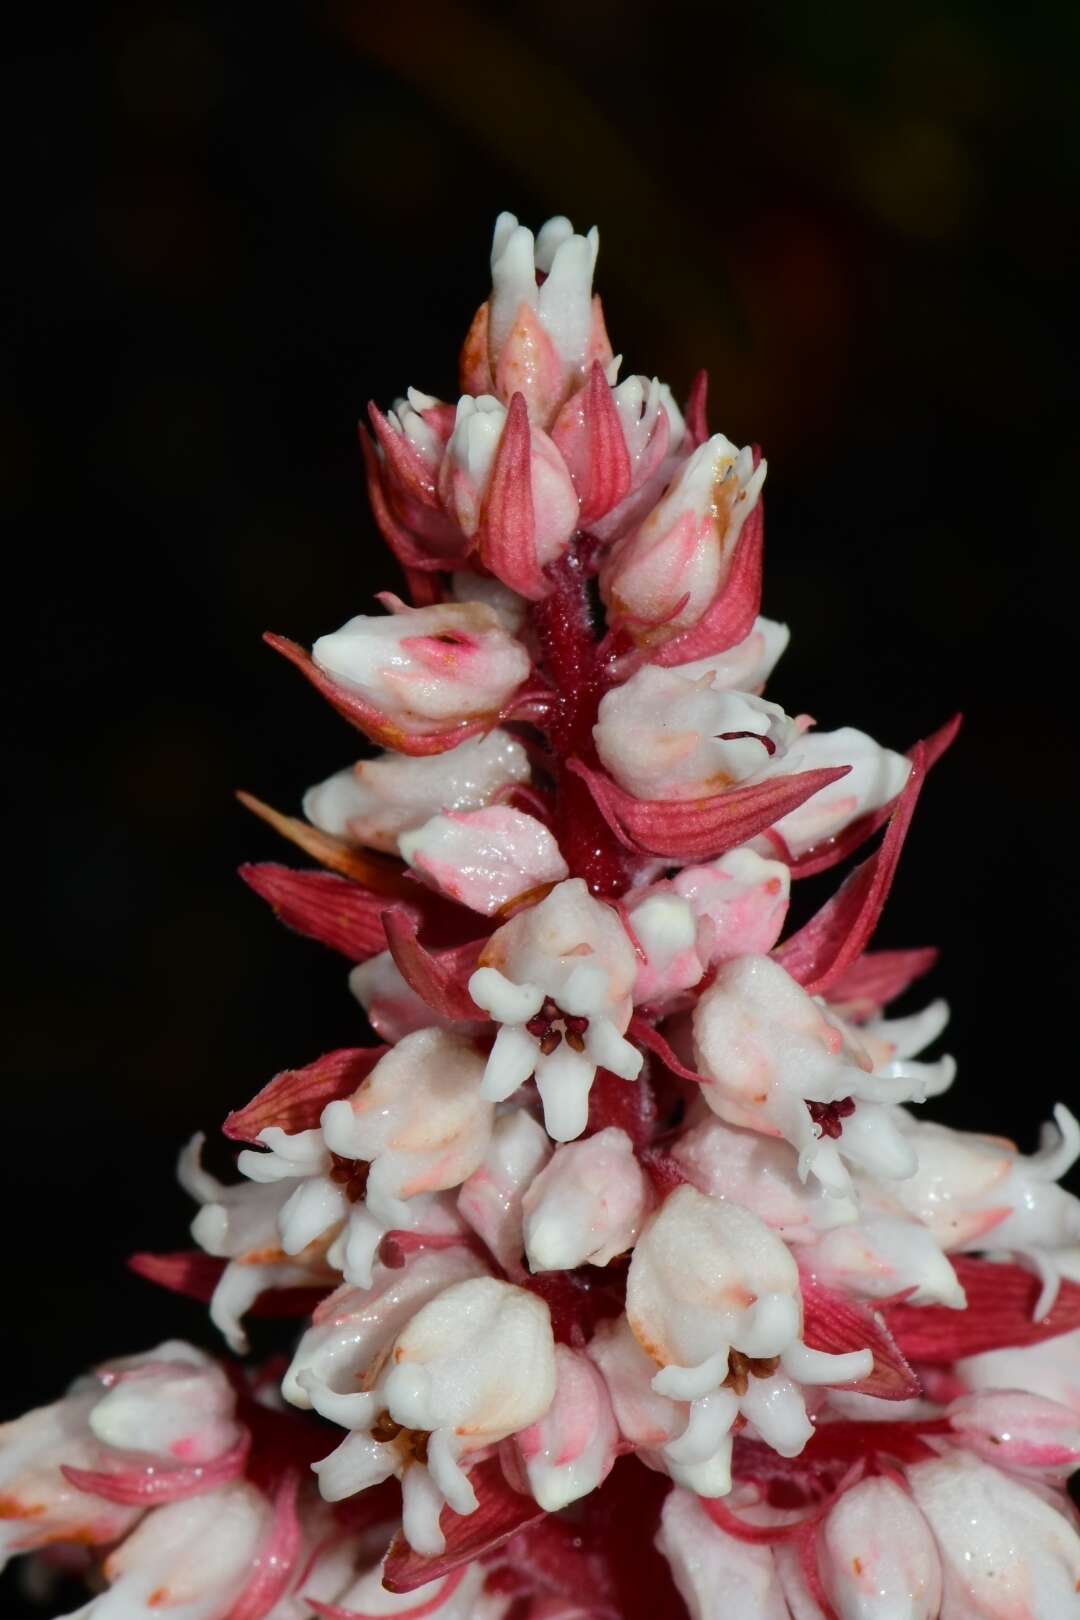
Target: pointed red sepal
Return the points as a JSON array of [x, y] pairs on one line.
[[837, 1324], [376, 726], [876, 978], [836, 936], [1000, 1314], [501, 1513], [729, 618], [439, 977], [431, 1605], [607, 458], [834, 850], [275, 1561], [649, 1036], [195, 1275], [294, 1100], [153, 1484], [320, 906], [700, 829], [407, 550], [404, 462], [508, 527], [697, 422]]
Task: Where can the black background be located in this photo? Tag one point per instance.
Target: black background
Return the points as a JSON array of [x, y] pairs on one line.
[[234, 224]]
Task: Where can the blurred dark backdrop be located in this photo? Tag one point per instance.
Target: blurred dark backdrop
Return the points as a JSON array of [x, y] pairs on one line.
[[234, 225]]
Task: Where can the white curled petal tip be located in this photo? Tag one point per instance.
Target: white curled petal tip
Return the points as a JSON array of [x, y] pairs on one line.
[[564, 1080], [421, 1504], [692, 1383], [505, 1001], [1058, 1152], [769, 1325], [354, 1465], [448, 1474], [349, 1411], [307, 1213], [778, 1412], [511, 1061], [610, 1050], [808, 1366], [708, 1425]]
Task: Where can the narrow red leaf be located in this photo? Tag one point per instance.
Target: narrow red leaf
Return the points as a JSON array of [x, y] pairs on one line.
[[501, 1513], [195, 1275], [836, 1324], [608, 459], [378, 873], [836, 936], [876, 978], [440, 978], [508, 524], [276, 1558], [700, 829], [1000, 1314], [152, 1484], [333, 910], [294, 1100]]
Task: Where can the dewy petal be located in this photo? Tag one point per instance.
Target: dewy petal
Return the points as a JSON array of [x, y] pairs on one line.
[[718, 1576], [878, 1558], [510, 1063], [484, 859], [563, 1080]]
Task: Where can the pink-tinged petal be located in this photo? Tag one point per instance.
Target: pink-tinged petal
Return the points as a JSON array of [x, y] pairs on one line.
[[152, 1484], [405, 546], [508, 529], [1013, 1429], [195, 1275], [500, 1514], [877, 977], [835, 938], [322, 906], [697, 421], [376, 725], [294, 1100], [431, 1605], [1001, 1301], [698, 829], [836, 1324], [729, 618], [835, 850], [441, 978], [275, 1560]]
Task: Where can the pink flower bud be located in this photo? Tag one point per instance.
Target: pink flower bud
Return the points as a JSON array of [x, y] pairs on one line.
[[1019, 1431], [572, 1448], [620, 444], [587, 1205], [491, 1200], [193, 1556], [882, 1257], [426, 669], [412, 441], [376, 800], [541, 329], [760, 1173], [877, 775], [741, 899], [667, 932], [1050, 1368], [661, 579], [485, 858], [393, 1007], [673, 734], [1006, 1552], [878, 1560], [718, 1576]]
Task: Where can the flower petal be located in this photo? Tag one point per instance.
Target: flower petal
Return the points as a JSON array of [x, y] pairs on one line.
[[501, 1513]]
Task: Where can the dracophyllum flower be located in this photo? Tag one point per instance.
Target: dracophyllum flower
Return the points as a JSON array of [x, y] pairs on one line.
[[882, 1257], [541, 329], [673, 734], [426, 669], [978, 1192], [876, 776], [377, 800], [572, 1449], [343, 1350], [1050, 1368], [173, 1405], [491, 1201], [1007, 1553], [1026, 1433], [558, 978], [877, 1557], [762, 1174], [777, 1062], [191, 1558], [485, 858], [469, 464], [587, 1205], [718, 1576], [662, 577], [473, 1366], [621, 443], [740, 903], [417, 1125], [240, 1224], [712, 1297], [667, 934]]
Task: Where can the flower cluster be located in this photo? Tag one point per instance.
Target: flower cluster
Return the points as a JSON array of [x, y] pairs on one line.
[[633, 1212]]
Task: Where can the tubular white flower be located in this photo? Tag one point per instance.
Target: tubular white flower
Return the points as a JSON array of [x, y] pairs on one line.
[[485, 858], [491, 1200], [558, 978], [882, 1257], [776, 1061], [718, 1576], [674, 734], [878, 1558], [739, 901], [572, 1448], [374, 802], [760, 1173], [587, 1205], [426, 668], [876, 776]]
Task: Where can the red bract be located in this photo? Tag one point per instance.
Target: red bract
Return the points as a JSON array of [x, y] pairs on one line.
[[730, 618], [876, 978], [195, 1275], [508, 529], [836, 1324], [501, 1513], [295, 1099], [1000, 1312], [152, 1484], [440, 979], [275, 1562], [325, 907]]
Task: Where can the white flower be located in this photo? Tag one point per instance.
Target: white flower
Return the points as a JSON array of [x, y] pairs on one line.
[[740, 902], [426, 668], [675, 734], [587, 1205], [377, 800], [882, 1257], [465, 476], [878, 1558], [484, 858], [558, 978], [876, 776], [570, 1451], [718, 1576], [491, 1200]]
